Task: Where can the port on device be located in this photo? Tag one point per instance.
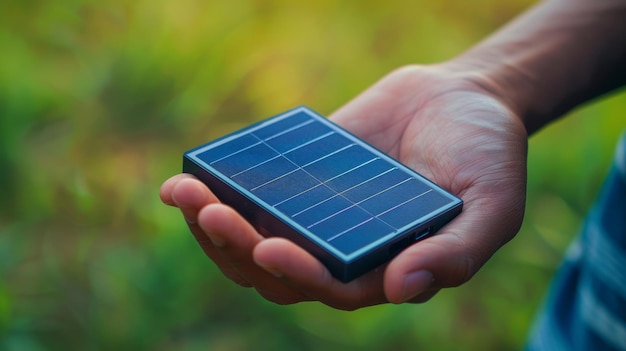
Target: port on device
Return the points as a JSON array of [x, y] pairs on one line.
[[408, 240], [421, 235]]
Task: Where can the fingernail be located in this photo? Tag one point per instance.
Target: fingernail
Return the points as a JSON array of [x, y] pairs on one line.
[[270, 270], [188, 220], [416, 283], [188, 213], [274, 272], [217, 240]]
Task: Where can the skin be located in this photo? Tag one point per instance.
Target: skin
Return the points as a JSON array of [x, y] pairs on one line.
[[464, 124]]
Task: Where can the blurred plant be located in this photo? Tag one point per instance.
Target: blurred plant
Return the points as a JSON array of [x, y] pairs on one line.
[[99, 99]]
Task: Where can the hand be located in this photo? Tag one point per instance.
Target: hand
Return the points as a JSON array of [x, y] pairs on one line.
[[435, 120]]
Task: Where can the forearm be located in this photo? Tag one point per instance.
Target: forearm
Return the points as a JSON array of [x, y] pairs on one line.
[[554, 57]]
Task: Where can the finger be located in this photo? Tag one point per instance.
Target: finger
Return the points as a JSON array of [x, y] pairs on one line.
[[190, 195], [229, 231], [303, 272], [438, 261], [213, 253], [447, 259], [220, 261], [235, 239], [425, 296], [168, 186]]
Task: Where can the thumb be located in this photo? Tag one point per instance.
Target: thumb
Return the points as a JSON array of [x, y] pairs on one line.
[[443, 260], [447, 259]]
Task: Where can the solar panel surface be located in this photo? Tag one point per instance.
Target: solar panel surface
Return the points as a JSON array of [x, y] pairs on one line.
[[300, 176]]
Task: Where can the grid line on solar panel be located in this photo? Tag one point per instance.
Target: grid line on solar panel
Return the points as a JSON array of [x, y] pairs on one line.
[[353, 169], [403, 203], [282, 154], [383, 191], [305, 199], [336, 194], [359, 175], [236, 152], [264, 172], [339, 161], [265, 130], [357, 204], [365, 181], [285, 187], [278, 178], [327, 155], [309, 142], [332, 215], [349, 229], [287, 130], [256, 165], [334, 200], [297, 136], [318, 148], [225, 148], [296, 195], [360, 236], [350, 216]]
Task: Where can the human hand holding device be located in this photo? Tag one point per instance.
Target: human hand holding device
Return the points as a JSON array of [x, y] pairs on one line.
[[446, 128], [299, 176]]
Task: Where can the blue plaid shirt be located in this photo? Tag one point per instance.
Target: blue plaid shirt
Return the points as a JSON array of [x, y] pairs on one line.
[[586, 307]]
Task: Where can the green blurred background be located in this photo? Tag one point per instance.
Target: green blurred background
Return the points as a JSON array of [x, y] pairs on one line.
[[98, 99]]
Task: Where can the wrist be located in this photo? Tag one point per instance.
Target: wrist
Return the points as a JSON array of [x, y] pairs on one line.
[[556, 56], [503, 81]]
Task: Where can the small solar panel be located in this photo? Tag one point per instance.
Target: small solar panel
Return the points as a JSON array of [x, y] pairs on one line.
[[300, 176]]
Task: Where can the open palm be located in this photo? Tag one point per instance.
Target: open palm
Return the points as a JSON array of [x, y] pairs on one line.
[[443, 125]]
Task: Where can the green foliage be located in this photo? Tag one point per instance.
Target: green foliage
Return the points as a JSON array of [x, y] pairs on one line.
[[99, 99]]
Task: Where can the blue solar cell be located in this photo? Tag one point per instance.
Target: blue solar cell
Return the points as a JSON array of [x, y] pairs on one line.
[[321, 210], [338, 162], [362, 235], [300, 176], [339, 222], [304, 200], [317, 149], [378, 183], [247, 158], [264, 172], [359, 175], [397, 215], [225, 149], [297, 137], [285, 187], [282, 125], [395, 195]]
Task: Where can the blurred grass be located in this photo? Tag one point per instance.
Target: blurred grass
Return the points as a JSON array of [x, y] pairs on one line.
[[99, 99]]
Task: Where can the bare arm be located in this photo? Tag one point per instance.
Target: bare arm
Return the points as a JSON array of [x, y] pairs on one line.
[[557, 55]]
